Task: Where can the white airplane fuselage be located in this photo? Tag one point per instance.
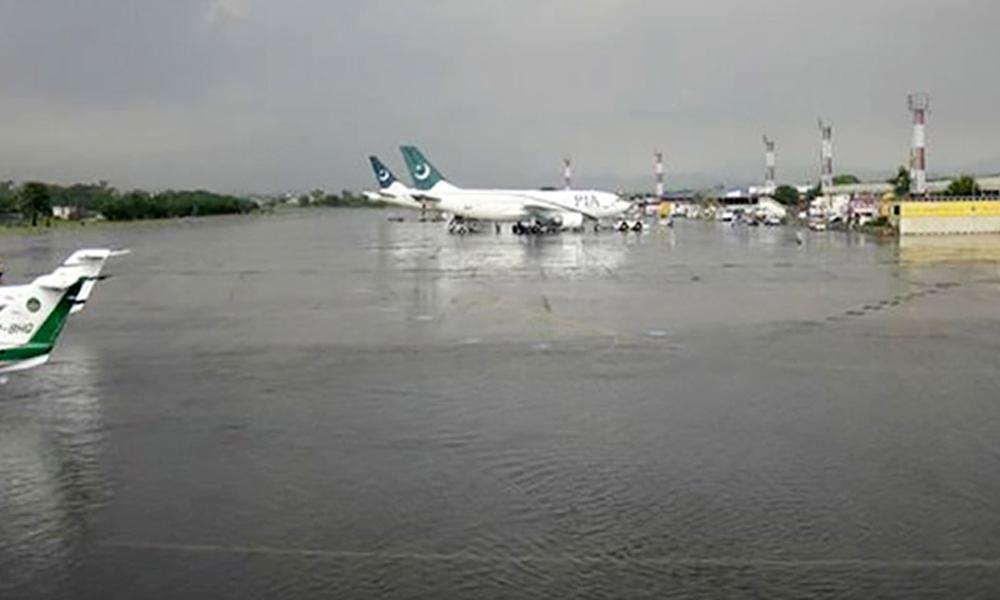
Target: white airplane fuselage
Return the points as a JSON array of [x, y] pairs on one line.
[[565, 208], [524, 205]]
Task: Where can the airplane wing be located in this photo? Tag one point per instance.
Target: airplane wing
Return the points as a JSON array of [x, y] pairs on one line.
[[379, 195], [548, 210]]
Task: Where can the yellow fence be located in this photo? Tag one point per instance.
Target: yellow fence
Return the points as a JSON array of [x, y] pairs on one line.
[[950, 208]]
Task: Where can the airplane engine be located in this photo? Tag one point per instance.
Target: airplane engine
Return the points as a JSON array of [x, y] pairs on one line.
[[570, 220]]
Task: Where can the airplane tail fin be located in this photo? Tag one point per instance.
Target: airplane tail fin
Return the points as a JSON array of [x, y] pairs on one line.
[[33, 315], [383, 175], [424, 175]]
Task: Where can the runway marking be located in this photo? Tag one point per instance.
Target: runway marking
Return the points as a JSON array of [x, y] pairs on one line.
[[566, 559], [867, 368]]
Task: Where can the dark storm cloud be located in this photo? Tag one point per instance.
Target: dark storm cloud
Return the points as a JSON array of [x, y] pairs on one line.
[[249, 94]]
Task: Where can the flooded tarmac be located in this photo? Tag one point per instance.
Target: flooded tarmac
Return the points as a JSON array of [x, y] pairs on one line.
[[329, 404]]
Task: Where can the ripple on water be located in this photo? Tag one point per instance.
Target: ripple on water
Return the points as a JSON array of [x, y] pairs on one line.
[[52, 440]]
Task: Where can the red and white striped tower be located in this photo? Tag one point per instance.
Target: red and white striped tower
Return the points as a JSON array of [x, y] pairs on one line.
[[918, 104], [567, 174], [826, 156], [769, 162], [659, 173]]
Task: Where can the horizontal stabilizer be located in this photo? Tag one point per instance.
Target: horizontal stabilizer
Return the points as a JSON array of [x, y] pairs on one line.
[[82, 264], [58, 280]]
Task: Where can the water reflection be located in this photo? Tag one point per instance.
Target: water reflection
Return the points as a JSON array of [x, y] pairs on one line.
[[426, 276], [420, 247], [929, 250], [51, 442]]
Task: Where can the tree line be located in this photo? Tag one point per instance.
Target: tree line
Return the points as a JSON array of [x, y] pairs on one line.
[[34, 200], [346, 199], [963, 185]]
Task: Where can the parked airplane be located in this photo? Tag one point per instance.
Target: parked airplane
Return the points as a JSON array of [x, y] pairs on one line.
[[33, 315], [391, 190], [531, 211]]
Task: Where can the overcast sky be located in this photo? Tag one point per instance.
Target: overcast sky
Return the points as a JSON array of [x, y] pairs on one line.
[[248, 95]]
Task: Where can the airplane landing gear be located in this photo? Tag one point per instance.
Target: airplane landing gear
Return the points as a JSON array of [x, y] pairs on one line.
[[461, 226], [534, 228], [625, 226]]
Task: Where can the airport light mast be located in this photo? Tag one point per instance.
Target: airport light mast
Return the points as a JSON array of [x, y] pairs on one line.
[[567, 174], [659, 173], [919, 104], [826, 156], [769, 163]]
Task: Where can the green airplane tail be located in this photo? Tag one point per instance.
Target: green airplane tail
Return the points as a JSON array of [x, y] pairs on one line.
[[424, 175], [53, 324], [44, 339]]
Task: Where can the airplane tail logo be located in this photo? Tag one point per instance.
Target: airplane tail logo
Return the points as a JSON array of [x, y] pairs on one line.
[[425, 176], [383, 175]]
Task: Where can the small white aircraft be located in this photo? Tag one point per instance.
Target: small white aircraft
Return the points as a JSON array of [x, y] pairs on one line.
[[531, 211], [33, 315]]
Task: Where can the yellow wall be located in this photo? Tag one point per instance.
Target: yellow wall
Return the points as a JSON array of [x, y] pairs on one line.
[[950, 208]]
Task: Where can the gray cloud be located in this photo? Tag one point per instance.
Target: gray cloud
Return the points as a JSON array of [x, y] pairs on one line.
[[251, 94]]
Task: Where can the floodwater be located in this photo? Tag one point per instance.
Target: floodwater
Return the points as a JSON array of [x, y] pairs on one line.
[[329, 404]]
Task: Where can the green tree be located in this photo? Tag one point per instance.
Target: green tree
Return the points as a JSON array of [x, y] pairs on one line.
[[964, 185], [901, 182], [845, 179], [786, 194], [34, 201], [8, 197], [84, 196], [814, 192]]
